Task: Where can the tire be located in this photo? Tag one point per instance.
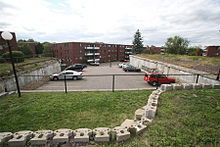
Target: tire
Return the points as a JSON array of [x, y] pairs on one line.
[[55, 78], [74, 78], [154, 83]]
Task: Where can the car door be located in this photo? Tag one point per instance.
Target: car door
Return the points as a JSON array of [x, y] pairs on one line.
[[61, 75], [69, 75], [163, 79]]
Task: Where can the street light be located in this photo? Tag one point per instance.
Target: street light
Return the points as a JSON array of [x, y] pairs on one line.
[[8, 36]]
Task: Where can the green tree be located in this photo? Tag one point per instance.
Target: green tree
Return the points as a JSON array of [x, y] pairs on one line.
[[30, 40], [195, 51], [137, 43], [25, 48], [39, 48], [47, 52], [176, 45]]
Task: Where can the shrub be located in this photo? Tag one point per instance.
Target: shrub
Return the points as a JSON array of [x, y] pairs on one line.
[[2, 60], [18, 56]]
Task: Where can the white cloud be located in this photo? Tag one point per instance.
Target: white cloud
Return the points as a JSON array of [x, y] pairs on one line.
[[113, 21]]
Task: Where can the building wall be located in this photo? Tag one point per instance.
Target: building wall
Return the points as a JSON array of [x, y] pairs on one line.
[[80, 52], [213, 51], [4, 46]]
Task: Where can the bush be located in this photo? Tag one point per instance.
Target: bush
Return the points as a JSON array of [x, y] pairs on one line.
[[2, 60], [18, 56]]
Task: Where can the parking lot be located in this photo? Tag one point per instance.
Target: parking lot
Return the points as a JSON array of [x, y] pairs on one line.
[[100, 78]]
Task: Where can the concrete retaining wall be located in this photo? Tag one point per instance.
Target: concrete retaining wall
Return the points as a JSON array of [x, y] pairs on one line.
[[8, 82], [188, 75]]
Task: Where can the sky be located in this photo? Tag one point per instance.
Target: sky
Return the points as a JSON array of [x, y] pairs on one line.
[[112, 21]]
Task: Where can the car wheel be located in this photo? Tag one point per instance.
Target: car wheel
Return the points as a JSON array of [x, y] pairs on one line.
[[154, 83], [74, 78], [55, 78]]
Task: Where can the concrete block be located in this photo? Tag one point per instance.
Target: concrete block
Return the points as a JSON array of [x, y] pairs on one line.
[[177, 86], [197, 86], [62, 136], [82, 135], [102, 134], [151, 112], [127, 123], [20, 138], [137, 128], [153, 102], [4, 137], [41, 137], [139, 113], [145, 120], [3, 94], [122, 133], [166, 87], [187, 86], [207, 86], [216, 86]]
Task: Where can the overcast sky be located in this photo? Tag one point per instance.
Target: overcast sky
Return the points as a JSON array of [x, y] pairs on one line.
[[112, 21]]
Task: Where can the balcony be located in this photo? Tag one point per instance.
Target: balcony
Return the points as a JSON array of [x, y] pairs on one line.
[[92, 48], [128, 48], [92, 54], [92, 60], [128, 53]]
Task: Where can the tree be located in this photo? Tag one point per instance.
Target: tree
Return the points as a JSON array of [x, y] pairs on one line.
[[176, 45], [47, 52], [39, 48], [195, 51], [25, 48], [137, 43], [30, 40]]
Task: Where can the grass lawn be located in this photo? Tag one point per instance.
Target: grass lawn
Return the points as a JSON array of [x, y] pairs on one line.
[[34, 111], [207, 64], [29, 63]]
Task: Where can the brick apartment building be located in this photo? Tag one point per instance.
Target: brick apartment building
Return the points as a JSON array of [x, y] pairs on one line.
[[4, 46], [212, 51], [153, 50], [86, 52]]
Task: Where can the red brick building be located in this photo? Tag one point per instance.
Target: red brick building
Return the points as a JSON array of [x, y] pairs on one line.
[[86, 52], [32, 46], [212, 51], [4, 46]]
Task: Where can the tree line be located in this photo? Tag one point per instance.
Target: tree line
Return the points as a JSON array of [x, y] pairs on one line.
[[173, 45]]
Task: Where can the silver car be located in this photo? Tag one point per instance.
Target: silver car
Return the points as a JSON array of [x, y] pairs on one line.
[[69, 75]]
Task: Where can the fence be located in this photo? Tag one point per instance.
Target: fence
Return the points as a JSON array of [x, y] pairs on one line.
[[105, 82]]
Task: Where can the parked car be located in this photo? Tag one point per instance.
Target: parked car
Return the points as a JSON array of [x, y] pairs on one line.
[[94, 63], [76, 67], [69, 75], [121, 64], [158, 78], [125, 65], [123, 60], [132, 68]]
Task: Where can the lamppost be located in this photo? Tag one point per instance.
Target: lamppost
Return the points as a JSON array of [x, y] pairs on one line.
[[8, 36]]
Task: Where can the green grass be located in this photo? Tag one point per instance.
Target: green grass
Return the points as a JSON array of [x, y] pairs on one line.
[[29, 63], [34, 111], [187, 118], [208, 64]]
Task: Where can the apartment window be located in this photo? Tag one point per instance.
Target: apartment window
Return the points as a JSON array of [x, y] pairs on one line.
[[1, 47], [67, 51], [109, 45], [108, 50], [80, 58], [218, 48], [104, 51], [109, 55], [80, 51], [93, 45], [115, 45], [80, 45], [66, 44], [217, 54], [100, 45], [104, 45], [88, 45]]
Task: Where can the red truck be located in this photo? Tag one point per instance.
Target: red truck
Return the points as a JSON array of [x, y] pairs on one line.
[[158, 78]]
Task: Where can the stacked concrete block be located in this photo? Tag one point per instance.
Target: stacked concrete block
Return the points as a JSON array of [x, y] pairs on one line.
[[216, 86], [139, 113], [187, 86], [102, 134], [121, 133], [177, 86], [134, 127], [152, 101], [41, 137], [197, 86], [206, 86], [62, 136], [4, 137], [166, 87], [151, 112], [82, 135], [20, 138], [145, 120]]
